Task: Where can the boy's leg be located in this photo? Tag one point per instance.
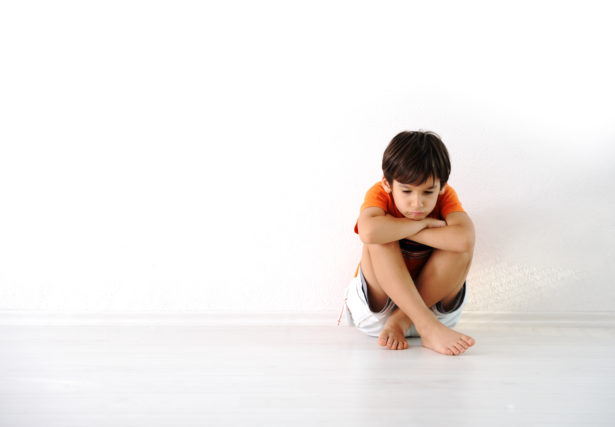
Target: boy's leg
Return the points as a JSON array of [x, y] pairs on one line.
[[443, 275], [387, 275], [443, 270], [440, 279]]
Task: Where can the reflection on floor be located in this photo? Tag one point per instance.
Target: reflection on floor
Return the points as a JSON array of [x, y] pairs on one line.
[[547, 370]]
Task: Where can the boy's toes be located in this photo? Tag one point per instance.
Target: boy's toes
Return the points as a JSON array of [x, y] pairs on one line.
[[399, 345], [468, 340], [382, 340], [392, 341]]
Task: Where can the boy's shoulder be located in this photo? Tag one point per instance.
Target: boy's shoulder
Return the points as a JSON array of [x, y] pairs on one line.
[[448, 202], [377, 196], [377, 188]]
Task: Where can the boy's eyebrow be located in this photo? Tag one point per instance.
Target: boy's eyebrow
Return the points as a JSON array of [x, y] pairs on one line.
[[428, 188]]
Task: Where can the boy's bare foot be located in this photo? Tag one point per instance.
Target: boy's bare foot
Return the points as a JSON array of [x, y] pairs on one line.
[[444, 340], [392, 335]]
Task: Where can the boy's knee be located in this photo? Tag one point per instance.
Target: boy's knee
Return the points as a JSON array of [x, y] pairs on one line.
[[390, 251], [469, 250], [470, 246], [467, 256], [469, 253], [454, 257], [383, 246]]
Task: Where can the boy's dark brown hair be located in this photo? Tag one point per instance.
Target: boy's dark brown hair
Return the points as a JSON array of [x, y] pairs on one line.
[[414, 157]]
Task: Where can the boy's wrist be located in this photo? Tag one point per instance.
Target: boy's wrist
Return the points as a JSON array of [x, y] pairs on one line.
[[416, 226], [423, 224]]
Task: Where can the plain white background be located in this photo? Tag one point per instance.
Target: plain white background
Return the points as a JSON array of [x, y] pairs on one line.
[[212, 157]]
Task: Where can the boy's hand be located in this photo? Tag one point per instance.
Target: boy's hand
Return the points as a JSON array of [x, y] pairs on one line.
[[434, 223]]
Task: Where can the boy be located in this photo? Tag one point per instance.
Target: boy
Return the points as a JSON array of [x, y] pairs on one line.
[[417, 250]]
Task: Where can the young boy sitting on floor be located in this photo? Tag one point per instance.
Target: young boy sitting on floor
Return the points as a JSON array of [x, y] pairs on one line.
[[417, 250]]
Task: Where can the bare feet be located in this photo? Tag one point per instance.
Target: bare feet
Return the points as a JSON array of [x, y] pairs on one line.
[[442, 339], [392, 335]]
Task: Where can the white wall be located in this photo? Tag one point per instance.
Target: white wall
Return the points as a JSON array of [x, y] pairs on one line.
[[175, 156]]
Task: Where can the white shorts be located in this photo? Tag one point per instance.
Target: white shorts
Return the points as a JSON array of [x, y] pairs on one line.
[[363, 318]]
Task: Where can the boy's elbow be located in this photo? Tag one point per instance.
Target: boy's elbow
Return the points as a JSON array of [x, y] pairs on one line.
[[365, 237], [468, 243], [464, 241], [369, 236], [366, 232]]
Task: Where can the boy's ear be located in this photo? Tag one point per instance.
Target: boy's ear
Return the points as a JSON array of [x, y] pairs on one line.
[[442, 189], [386, 185]]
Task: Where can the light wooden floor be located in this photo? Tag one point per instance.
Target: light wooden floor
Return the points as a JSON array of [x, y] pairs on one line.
[[540, 372]]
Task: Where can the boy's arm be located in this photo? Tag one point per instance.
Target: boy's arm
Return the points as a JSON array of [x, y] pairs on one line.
[[457, 236], [377, 228]]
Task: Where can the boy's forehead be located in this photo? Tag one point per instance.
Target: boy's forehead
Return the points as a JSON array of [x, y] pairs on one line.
[[429, 184]]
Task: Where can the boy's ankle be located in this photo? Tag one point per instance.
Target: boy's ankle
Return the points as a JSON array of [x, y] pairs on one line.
[[399, 317], [423, 323], [426, 323]]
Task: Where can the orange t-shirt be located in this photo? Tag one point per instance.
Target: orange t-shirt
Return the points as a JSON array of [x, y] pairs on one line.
[[415, 254]]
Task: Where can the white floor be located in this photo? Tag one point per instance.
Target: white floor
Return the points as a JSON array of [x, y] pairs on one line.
[[540, 371]]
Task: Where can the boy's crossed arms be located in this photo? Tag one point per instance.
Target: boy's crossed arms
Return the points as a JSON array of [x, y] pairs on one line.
[[455, 234]]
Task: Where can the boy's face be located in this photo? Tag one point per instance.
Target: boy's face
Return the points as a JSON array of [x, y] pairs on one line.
[[415, 201]]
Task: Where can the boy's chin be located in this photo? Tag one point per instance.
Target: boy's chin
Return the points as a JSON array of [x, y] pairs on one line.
[[416, 218]]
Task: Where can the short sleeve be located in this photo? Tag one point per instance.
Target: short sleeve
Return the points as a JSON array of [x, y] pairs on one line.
[[377, 197], [449, 202]]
